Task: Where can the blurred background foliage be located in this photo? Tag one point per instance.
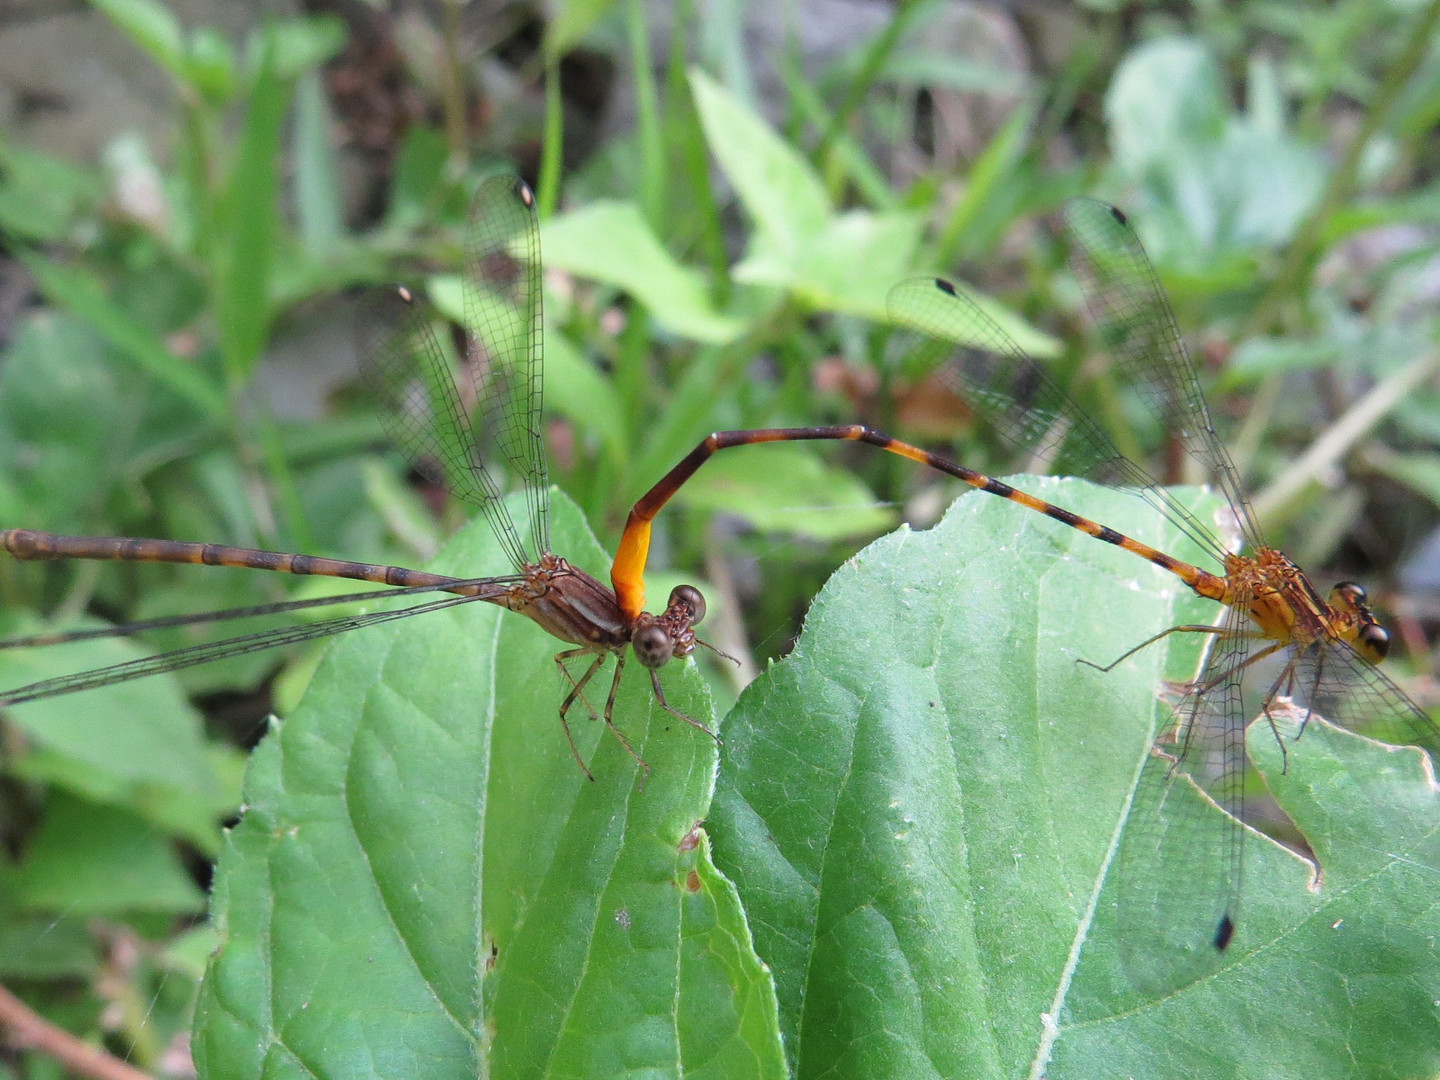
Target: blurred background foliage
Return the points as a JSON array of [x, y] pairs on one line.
[[728, 192]]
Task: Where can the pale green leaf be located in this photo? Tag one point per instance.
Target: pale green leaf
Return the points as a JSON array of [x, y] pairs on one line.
[[778, 187], [849, 267], [611, 242], [150, 25], [92, 860], [786, 487]]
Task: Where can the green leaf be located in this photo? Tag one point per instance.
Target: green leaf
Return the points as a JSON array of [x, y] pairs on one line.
[[419, 179], [252, 230], [848, 267], [610, 241], [1260, 186], [40, 946], [914, 356], [40, 196], [918, 808], [80, 292], [1260, 357], [787, 488], [1166, 99], [571, 23], [1357, 954], [1236, 181], [425, 883], [778, 187], [575, 389], [210, 64], [290, 48], [321, 218], [66, 423], [159, 746], [92, 860], [150, 25]]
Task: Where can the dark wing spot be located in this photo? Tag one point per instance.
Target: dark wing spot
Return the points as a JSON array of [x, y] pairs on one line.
[[1224, 932]]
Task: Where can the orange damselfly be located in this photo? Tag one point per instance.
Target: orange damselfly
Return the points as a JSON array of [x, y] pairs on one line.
[[1180, 863]]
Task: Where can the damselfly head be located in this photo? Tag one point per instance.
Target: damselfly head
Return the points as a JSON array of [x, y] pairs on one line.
[[1371, 641], [658, 639]]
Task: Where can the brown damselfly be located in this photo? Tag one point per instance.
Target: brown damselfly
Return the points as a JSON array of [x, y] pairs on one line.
[[458, 413]]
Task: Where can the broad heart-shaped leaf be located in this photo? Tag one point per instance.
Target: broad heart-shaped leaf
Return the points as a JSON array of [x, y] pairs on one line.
[[425, 885], [920, 804]]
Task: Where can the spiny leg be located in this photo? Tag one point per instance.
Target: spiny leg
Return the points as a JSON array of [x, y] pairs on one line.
[[1269, 650], [1285, 679], [1218, 631], [609, 723], [1198, 692], [577, 688], [660, 697]]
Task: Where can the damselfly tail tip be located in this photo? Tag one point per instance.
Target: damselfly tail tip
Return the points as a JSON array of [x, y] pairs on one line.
[[1120, 216]]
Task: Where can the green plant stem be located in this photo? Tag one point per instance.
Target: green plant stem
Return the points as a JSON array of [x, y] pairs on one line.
[[452, 86], [874, 61], [1303, 249], [1342, 179], [548, 182], [647, 119]]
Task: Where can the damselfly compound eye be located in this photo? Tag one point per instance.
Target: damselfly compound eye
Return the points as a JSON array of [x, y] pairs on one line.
[[652, 645], [1352, 592], [1377, 639], [691, 598]]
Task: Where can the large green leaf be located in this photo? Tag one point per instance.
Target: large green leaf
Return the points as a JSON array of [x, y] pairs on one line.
[[425, 884], [920, 804]]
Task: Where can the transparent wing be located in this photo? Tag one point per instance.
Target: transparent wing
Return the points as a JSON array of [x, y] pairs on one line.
[[1180, 863], [1339, 684], [493, 586], [506, 356], [193, 655], [1136, 323], [955, 337], [460, 409]]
